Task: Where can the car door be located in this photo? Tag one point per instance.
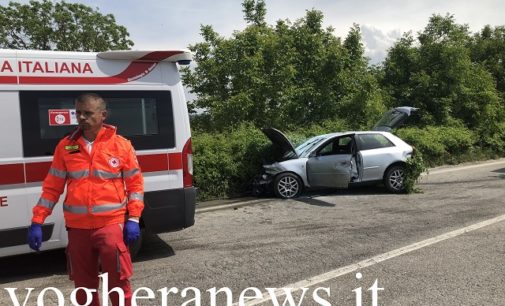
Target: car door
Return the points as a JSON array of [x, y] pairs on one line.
[[375, 155], [330, 165]]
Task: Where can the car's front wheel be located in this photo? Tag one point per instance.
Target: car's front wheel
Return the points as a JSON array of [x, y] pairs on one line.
[[394, 179], [287, 185]]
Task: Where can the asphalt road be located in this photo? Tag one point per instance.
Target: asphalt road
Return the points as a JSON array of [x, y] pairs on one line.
[[321, 241]]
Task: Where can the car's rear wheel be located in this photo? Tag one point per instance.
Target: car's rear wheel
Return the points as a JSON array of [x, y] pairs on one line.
[[287, 185], [394, 179]]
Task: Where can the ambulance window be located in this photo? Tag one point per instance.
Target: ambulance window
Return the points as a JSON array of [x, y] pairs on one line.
[[133, 116], [144, 117]]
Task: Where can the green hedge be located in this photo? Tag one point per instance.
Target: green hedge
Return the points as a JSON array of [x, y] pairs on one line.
[[442, 145], [225, 163]]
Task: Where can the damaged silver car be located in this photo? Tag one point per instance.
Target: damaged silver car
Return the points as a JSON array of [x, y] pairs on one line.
[[338, 160]]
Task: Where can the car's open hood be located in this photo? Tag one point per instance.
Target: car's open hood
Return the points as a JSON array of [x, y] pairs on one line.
[[280, 140], [393, 118]]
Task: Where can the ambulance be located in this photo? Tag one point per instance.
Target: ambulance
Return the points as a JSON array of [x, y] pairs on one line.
[[147, 104]]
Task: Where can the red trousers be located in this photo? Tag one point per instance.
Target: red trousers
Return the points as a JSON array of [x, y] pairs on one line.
[[90, 251]]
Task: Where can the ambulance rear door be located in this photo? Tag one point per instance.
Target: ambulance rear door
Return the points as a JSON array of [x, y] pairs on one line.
[[13, 207]]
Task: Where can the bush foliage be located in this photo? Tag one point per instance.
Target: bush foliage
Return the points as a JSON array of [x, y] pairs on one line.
[[225, 163], [440, 145], [414, 167]]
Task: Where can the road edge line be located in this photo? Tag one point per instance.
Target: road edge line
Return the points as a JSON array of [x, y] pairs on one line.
[[228, 206], [459, 168]]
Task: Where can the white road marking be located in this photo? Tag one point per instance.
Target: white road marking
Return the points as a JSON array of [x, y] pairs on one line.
[[234, 205], [458, 168], [312, 281]]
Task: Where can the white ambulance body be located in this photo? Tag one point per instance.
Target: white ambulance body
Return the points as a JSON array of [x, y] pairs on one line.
[[146, 102]]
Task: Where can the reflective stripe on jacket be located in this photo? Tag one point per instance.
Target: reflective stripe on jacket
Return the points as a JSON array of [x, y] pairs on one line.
[[103, 186]]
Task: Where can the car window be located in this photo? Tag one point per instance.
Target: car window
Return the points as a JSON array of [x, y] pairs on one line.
[[373, 141], [308, 145], [340, 145], [327, 149], [391, 119]]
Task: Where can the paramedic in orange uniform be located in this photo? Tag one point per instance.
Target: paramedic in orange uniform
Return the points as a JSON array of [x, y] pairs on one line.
[[103, 203]]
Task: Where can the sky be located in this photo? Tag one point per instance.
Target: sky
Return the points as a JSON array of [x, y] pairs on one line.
[[166, 24]]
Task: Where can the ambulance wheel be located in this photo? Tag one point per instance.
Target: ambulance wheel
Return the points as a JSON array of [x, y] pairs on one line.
[[135, 246]]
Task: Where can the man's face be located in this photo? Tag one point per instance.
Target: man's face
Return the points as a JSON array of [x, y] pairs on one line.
[[90, 115]]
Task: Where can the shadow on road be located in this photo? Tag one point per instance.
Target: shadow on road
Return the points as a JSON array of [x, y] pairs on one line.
[[309, 197], [314, 202], [352, 190], [54, 262], [501, 173], [153, 247], [502, 170], [24, 267]]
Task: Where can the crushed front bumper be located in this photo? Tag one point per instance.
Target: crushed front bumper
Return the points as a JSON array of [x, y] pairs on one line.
[[262, 185]]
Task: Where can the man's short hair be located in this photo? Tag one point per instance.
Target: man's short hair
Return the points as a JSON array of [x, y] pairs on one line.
[[92, 97]]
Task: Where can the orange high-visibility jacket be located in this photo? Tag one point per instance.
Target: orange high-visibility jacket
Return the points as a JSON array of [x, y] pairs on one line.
[[103, 187]]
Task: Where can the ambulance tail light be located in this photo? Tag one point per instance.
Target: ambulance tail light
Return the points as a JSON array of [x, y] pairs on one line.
[[187, 164]]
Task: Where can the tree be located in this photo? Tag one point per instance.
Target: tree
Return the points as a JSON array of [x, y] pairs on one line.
[[59, 26], [355, 48], [254, 11], [286, 75], [399, 69], [488, 49], [439, 77], [363, 102]]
